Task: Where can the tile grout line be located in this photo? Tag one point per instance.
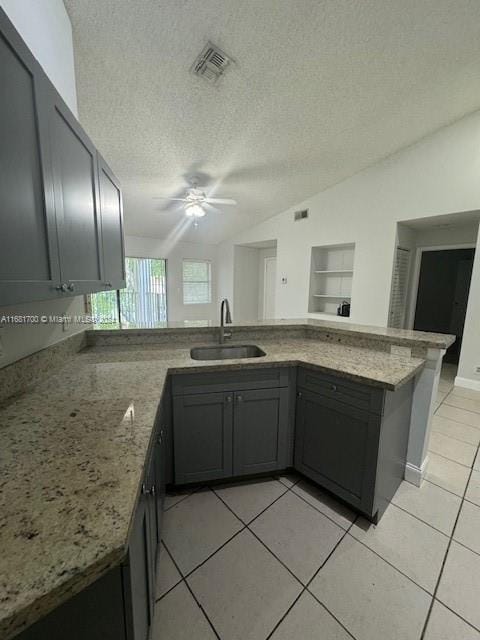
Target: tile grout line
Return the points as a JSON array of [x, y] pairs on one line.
[[429, 593], [446, 435], [444, 401], [447, 535], [246, 526], [305, 588], [261, 541], [434, 598], [191, 592], [440, 455]]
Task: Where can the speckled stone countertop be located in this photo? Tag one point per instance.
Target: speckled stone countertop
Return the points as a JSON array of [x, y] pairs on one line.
[[403, 337], [73, 450]]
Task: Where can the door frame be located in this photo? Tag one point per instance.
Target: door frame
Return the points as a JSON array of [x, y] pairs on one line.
[[267, 259], [413, 295]]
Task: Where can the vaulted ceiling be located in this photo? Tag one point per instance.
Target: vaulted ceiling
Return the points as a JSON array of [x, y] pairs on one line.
[[320, 89]]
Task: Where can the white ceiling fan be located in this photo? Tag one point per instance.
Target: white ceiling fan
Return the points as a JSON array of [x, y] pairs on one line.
[[195, 199]]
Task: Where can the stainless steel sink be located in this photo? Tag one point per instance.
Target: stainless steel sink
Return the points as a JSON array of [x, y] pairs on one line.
[[227, 352]]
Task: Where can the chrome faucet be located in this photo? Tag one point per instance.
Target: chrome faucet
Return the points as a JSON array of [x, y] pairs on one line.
[[225, 318]]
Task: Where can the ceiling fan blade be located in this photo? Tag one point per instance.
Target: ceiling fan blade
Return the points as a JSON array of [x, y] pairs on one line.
[[167, 198], [228, 201]]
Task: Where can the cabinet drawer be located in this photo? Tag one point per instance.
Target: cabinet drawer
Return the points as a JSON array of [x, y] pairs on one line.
[[351, 393], [237, 380]]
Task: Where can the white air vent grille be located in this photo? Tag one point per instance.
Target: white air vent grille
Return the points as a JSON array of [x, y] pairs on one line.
[[300, 215], [211, 63]]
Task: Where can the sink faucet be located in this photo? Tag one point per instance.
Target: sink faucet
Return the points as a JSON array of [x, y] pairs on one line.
[[225, 318]]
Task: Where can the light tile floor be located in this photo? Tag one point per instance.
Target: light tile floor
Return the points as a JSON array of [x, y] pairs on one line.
[[278, 558]]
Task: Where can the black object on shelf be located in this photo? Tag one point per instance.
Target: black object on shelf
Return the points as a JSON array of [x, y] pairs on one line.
[[343, 309]]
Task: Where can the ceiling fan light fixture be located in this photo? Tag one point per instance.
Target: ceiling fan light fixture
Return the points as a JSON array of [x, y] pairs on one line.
[[194, 210]]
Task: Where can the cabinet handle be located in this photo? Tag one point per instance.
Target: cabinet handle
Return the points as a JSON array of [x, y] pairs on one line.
[[299, 394], [239, 398], [71, 287], [333, 387], [108, 284], [61, 287], [148, 492], [229, 398]]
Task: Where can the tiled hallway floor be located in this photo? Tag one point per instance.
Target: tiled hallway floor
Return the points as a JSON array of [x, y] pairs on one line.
[[280, 559]]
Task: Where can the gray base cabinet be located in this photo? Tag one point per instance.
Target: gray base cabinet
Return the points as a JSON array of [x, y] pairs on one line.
[[352, 439], [232, 425], [203, 429], [336, 445], [260, 435]]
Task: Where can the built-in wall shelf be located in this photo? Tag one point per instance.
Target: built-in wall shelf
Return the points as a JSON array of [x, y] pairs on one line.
[[335, 271], [331, 276]]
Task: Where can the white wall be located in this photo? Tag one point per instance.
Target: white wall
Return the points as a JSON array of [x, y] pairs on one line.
[[470, 357], [140, 247], [438, 175], [45, 27]]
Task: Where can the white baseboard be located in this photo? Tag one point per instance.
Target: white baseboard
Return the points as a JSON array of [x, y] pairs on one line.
[[414, 474], [468, 383]]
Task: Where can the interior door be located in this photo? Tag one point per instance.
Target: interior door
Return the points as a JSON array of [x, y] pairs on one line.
[[442, 296], [269, 284]]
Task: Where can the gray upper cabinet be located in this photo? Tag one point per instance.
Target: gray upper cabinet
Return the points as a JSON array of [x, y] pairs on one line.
[[61, 206], [112, 226], [74, 164], [29, 268], [260, 431]]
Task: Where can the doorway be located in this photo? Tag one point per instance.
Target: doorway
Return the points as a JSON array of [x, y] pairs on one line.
[[269, 283], [442, 297]]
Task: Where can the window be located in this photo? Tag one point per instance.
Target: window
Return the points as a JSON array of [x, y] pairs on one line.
[[143, 302], [197, 282]]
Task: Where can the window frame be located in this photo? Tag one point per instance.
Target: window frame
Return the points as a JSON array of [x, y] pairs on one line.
[[209, 281], [88, 301]]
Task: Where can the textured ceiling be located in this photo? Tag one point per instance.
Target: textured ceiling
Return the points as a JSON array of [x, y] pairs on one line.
[[320, 90]]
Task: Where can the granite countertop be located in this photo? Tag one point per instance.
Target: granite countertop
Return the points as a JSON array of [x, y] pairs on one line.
[[405, 337], [73, 450]]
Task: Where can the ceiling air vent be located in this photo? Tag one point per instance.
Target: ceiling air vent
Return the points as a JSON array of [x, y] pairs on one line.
[[300, 215], [211, 63]]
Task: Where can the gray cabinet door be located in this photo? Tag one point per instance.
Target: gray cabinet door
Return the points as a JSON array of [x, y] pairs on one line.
[[29, 268], [202, 426], [74, 165], [337, 445], [113, 252], [160, 481], [138, 577], [260, 432]]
